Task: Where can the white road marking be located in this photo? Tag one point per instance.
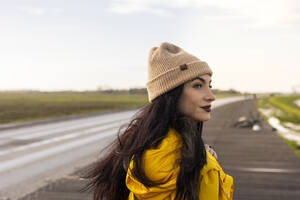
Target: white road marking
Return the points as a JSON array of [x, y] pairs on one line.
[[266, 170]]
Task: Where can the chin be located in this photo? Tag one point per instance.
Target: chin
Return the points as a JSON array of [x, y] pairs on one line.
[[203, 118]]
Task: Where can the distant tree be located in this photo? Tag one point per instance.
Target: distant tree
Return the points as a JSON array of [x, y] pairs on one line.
[[138, 91]]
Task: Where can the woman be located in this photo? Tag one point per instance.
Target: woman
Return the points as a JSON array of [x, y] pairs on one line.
[[161, 155]]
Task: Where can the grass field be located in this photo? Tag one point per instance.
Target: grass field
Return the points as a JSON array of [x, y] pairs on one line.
[[16, 107], [289, 110], [25, 106]]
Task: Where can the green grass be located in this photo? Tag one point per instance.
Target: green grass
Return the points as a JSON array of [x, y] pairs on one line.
[[289, 110], [291, 113], [26, 106], [22, 106], [293, 145], [263, 103]]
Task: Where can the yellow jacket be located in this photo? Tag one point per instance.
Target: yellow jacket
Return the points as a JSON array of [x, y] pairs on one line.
[[158, 165]]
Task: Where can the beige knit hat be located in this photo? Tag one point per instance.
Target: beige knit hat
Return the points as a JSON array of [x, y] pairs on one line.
[[169, 66]]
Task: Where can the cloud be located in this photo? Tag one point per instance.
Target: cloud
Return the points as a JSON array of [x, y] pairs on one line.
[[162, 12], [260, 14], [58, 10], [266, 13], [128, 7], [33, 10], [40, 11]]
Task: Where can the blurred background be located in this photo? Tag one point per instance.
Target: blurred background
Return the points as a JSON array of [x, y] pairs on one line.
[[58, 50], [84, 58], [85, 45]]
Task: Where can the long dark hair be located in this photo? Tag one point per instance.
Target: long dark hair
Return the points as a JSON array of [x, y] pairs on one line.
[[147, 129]]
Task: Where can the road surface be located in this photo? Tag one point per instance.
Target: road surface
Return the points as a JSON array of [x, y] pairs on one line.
[[33, 156]]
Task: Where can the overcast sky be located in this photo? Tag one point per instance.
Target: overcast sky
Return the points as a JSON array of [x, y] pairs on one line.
[[251, 46]]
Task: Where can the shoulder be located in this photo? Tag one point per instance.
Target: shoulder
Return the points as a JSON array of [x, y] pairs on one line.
[[159, 166], [159, 163]]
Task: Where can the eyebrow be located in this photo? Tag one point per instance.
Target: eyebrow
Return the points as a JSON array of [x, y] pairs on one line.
[[201, 79]]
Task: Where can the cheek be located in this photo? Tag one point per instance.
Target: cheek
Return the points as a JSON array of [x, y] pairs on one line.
[[195, 101], [184, 105], [189, 105]]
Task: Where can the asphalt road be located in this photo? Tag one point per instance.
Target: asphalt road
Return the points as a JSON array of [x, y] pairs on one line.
[[34, 156], [261, 163], [263, 166]]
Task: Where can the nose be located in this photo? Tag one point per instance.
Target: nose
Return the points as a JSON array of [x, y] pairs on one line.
[[210, 96]]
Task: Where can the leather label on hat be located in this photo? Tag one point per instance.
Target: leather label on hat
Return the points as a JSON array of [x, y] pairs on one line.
[[183, 67]]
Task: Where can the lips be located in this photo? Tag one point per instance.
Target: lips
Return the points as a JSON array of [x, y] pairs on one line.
[[206, 108]]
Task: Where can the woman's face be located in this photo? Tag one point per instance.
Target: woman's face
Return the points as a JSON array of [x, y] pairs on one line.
[[195, 96]]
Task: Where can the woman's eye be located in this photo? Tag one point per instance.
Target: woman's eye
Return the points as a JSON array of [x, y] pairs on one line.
[[197, 85]]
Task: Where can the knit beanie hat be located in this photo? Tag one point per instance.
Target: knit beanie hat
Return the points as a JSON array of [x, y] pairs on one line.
[[170, 66]]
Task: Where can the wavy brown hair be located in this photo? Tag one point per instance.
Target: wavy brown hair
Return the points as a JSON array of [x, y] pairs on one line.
[[146, 130]]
